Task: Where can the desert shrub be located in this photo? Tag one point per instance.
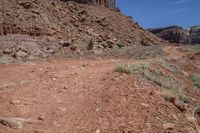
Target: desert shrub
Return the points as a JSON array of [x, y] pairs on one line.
[[138, 69], [123, 68], [169, 94], [144, 70], [196, 80], [117, 9]]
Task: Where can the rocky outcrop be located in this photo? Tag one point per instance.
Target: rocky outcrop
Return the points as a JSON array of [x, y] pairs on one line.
[[107, 3], [176, 34], [195, 34], [173, 34]]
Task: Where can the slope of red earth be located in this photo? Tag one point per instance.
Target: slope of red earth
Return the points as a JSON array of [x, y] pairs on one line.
[[84, 96], [70, 20], [44, 27]]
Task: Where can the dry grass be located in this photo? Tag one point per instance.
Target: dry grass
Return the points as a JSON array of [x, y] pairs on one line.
[[173, 88], [196, 80]]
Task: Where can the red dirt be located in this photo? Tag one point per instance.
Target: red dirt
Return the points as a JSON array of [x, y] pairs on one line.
[[84, 96]]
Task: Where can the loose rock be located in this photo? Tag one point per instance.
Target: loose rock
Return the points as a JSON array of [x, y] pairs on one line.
[[15, 102], [2, 87], [7, 51], [179, 104], [65, 43], [144, 105], [90, 45], [20, 54], [169, 126], [97, 131], [14, 122], [74, 47]]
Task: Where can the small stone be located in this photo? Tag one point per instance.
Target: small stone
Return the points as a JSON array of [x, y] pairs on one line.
[[175, 117], [65, 88], [2, 86], [14, 102], [26, 4], [62, 109], [169, 126], [41, 117], [110, 43], [97, 131], [7, 51], [128, 40], [74, 47], [90, 45], [65, 43], [179, 104], [20, 54], [14, 122], [144, 105]]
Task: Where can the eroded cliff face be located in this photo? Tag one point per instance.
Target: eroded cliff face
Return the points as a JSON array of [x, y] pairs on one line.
[[195, 34], [107, 3], [176, 34]]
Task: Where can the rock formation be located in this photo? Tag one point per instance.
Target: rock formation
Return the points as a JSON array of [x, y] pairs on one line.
[[195, 34], [107, 3], [176, 34]]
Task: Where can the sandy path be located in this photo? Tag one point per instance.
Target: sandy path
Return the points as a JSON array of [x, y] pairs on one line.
[[83, 96]]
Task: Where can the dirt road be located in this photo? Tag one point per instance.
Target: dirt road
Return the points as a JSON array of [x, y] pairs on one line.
[[83, 96]]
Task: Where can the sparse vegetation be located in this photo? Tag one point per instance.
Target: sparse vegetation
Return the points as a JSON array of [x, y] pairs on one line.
[[192, 48], [197, 109], [173, 87], [149, 73], [169, 94], [138, 69], [167, 65], [123, 68], [196, 80]]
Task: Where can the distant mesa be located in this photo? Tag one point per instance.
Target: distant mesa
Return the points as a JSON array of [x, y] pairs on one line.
[[176, 34]]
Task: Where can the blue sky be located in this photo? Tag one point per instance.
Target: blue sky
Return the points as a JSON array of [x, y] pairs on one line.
[[161, 13]]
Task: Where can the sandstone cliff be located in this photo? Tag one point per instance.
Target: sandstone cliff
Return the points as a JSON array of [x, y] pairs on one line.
[[176, 34]]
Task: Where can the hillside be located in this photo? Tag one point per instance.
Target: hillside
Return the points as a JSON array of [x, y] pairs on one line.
[[50, 25]]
